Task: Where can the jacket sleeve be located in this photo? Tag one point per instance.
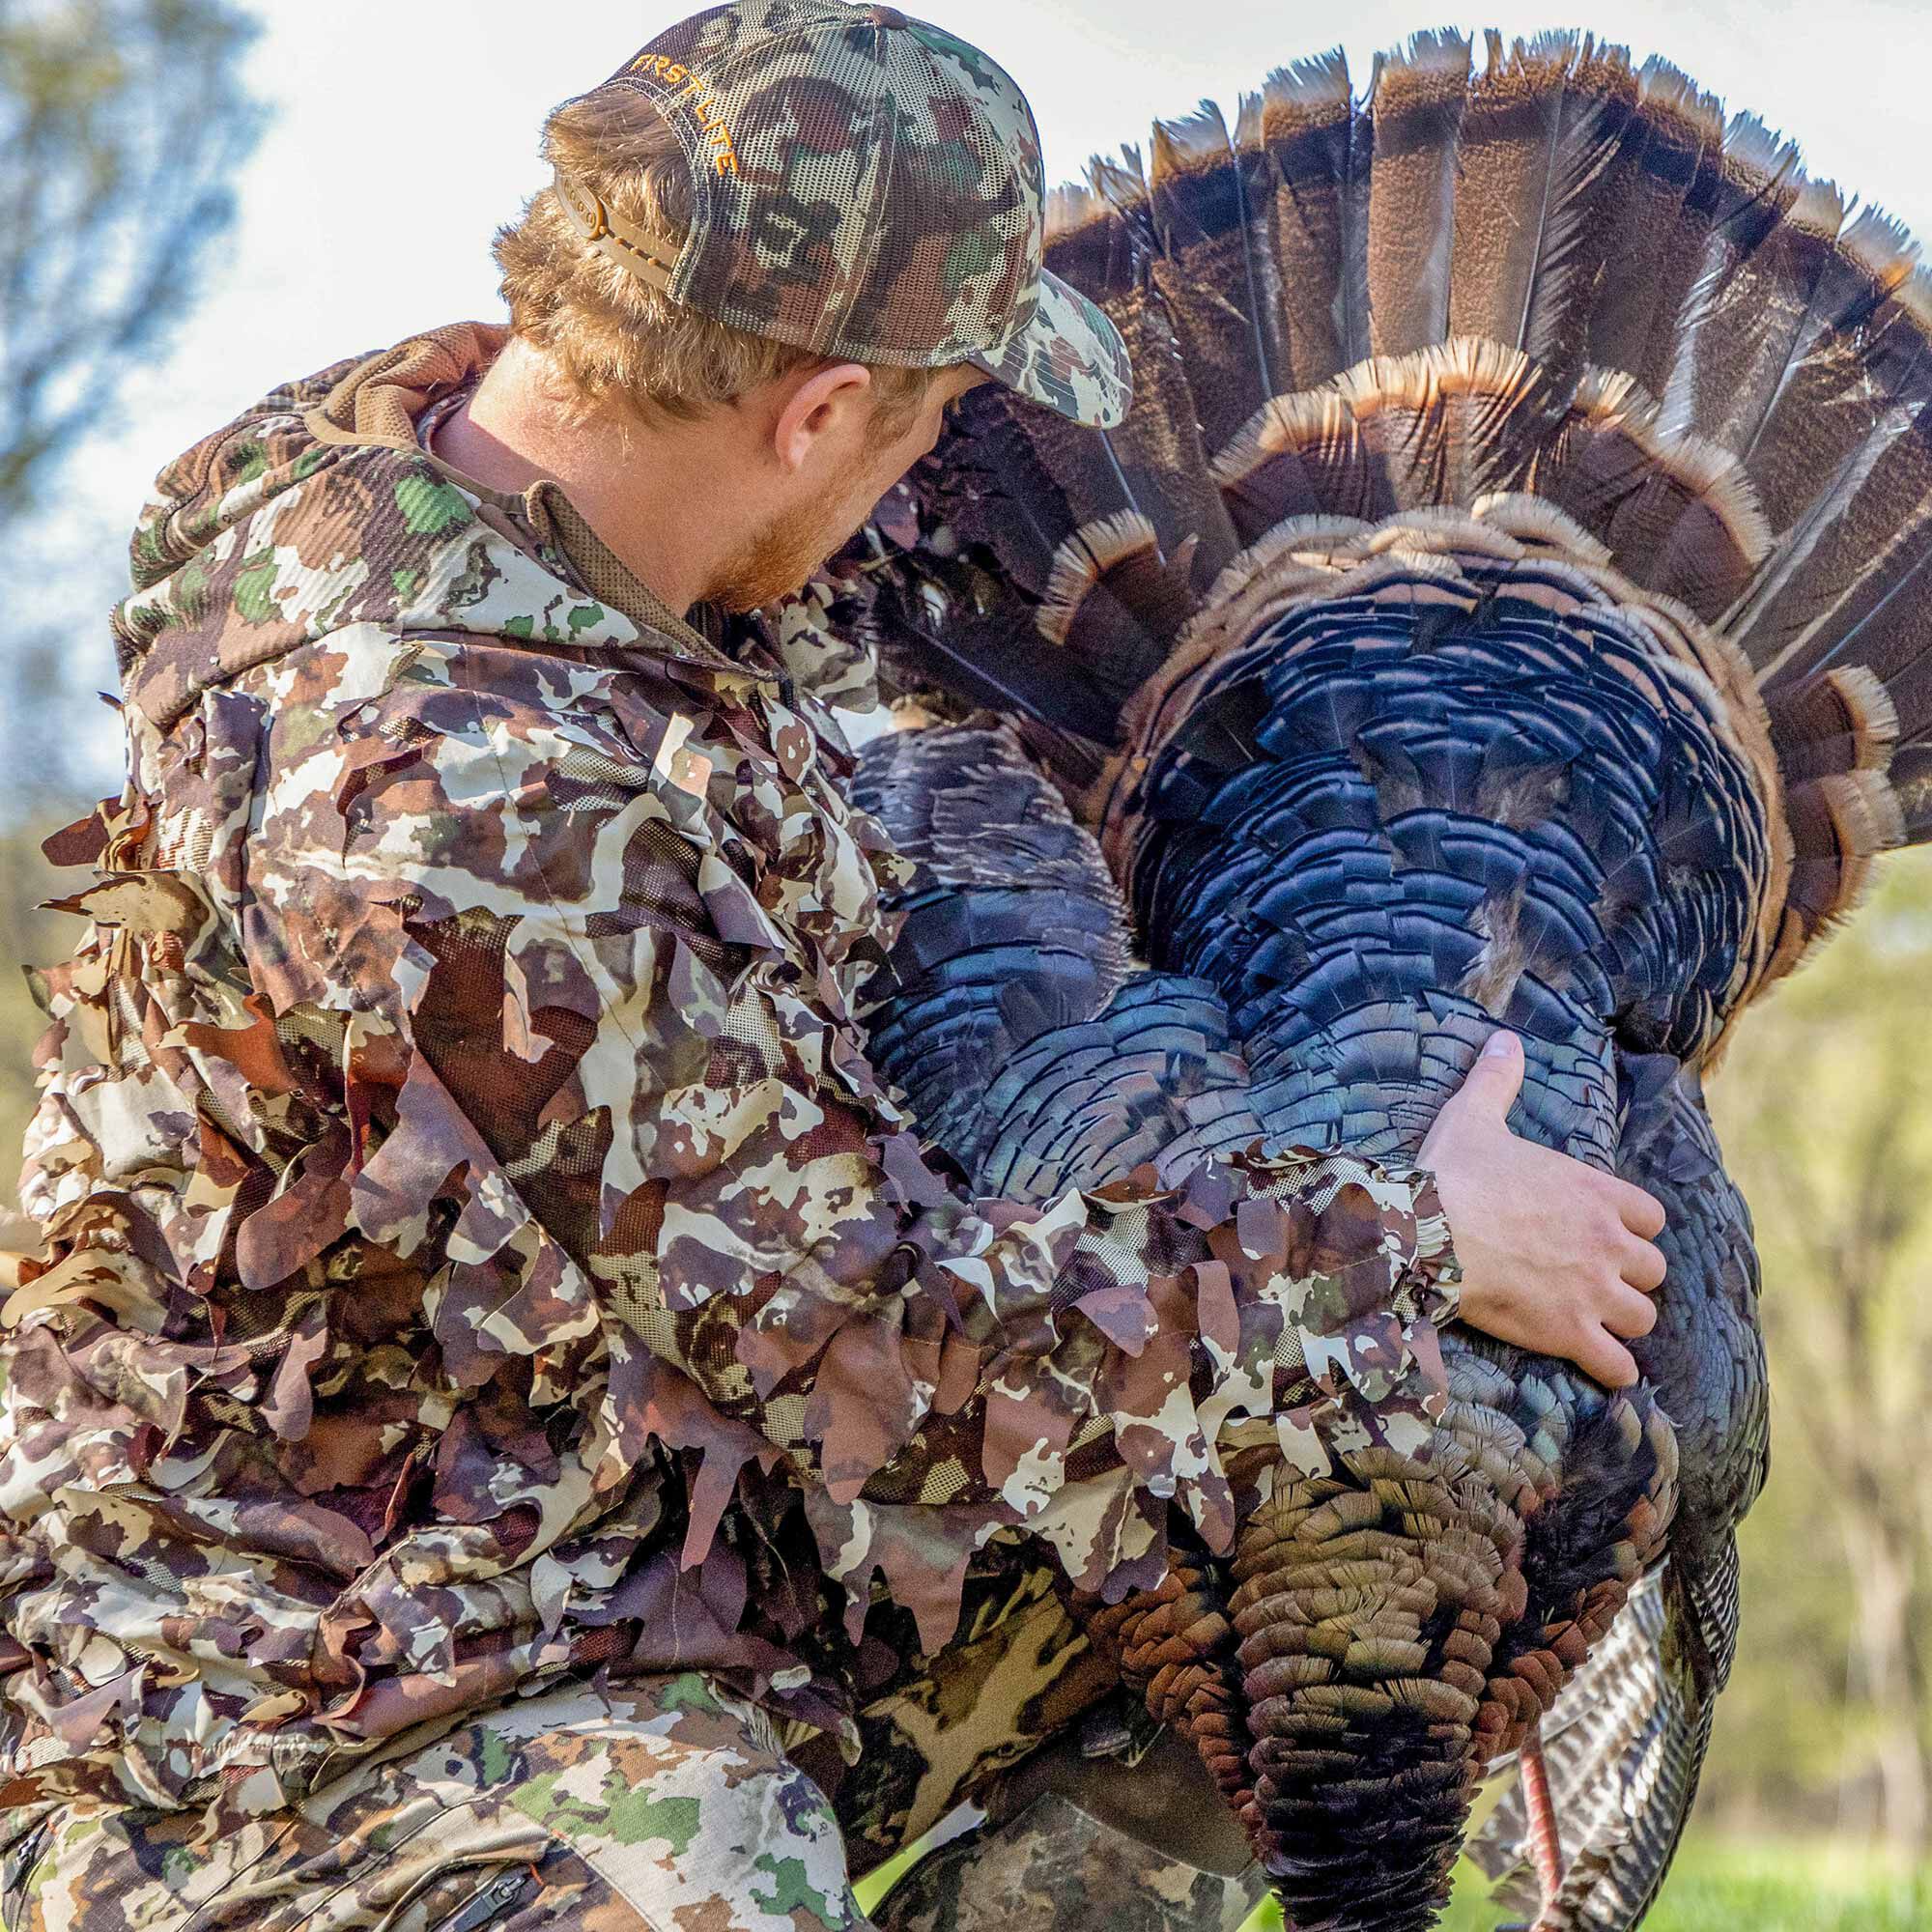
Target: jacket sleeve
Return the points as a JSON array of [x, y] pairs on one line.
[[603, 1082]]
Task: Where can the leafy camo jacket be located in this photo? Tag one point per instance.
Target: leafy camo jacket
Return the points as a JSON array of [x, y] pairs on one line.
[[477, 1247]]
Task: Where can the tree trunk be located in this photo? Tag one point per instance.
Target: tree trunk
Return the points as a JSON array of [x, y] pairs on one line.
[[1883, 1566]]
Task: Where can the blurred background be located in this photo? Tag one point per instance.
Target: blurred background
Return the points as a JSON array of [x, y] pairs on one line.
[[202, 197]]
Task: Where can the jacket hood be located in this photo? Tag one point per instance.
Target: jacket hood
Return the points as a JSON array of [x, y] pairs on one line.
[[315, 511]]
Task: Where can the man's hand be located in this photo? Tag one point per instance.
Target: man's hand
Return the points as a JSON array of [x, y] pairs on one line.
[[1556, 1256]]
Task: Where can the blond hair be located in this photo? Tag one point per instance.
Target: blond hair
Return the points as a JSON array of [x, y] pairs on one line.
[[613, 337]]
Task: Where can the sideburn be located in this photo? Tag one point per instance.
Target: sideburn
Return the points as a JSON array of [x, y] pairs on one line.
[[778, 558]]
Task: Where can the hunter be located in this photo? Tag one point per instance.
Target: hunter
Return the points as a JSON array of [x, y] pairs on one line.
[[503, 1387]]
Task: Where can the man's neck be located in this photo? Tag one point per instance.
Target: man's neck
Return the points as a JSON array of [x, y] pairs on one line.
[[650, 493]]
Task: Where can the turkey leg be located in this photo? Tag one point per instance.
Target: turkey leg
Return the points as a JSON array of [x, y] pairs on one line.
[[1543, 1835]]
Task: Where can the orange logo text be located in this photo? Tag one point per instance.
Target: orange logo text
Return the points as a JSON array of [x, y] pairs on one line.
[[723, 156]]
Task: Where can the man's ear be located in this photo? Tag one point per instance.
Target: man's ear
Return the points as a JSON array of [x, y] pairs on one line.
[[827, 402]]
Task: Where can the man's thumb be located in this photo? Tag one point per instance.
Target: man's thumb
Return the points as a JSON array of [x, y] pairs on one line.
[[1496, 1078]]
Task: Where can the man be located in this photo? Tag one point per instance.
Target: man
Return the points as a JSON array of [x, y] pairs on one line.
[[496, 1342]]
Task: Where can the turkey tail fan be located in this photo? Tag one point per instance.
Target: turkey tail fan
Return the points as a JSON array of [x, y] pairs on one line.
[[1545, 276]]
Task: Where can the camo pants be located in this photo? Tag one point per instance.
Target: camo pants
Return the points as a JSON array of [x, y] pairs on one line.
[[662, 1805]]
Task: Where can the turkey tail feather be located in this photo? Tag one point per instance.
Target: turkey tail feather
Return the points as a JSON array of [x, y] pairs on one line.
[[1545, 126], [1415, 110], [1205, 271], [1625, 1747], [1312, 199], [1647, 228], [1752, 190]]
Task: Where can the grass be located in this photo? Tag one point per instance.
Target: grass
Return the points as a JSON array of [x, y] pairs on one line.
[[1718, 1885]]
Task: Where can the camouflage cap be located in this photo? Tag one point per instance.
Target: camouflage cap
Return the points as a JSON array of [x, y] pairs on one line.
[[865, 186]]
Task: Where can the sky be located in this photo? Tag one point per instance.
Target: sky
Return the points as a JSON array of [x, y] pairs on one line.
[[400, 133]]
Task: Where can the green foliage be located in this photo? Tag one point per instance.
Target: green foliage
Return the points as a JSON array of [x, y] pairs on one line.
[[1763, 1887], [124, 124]]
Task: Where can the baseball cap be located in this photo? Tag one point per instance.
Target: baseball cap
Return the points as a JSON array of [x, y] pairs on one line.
[[865, 186]]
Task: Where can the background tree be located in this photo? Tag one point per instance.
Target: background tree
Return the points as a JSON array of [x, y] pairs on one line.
[[123, 123], [1827, 1129]]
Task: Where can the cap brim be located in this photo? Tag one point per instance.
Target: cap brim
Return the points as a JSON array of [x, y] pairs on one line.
[[1069, 359]]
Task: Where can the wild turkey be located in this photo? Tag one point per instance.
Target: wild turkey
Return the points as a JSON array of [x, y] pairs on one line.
[[1504, 604]]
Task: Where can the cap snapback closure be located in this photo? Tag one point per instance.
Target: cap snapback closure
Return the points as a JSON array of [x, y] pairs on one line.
[[632, 249]]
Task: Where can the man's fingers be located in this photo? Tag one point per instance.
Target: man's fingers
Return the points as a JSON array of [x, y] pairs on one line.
[[1629, 1312], [1643, 1267], [1609, 1360], [1641, 1212]]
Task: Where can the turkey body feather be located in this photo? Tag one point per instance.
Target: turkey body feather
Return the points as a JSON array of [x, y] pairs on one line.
[[1502, 605]]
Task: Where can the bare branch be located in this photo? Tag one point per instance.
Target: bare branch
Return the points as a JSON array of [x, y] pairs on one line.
[[124, 124]]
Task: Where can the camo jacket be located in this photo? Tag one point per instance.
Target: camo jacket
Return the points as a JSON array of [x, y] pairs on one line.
[[476, 1248]]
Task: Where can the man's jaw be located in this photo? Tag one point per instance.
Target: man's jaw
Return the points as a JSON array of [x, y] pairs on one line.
[[778, 562]]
